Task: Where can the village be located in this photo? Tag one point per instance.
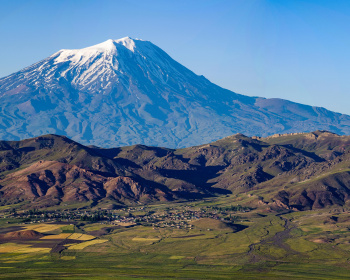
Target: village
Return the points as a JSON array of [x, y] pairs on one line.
[[175, 217]]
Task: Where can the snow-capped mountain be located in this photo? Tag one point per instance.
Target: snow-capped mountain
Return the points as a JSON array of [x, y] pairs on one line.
[[129, 91]]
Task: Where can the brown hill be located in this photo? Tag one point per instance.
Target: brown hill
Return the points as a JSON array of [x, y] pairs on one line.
[[299, 171], [25, 234], [208, 223], [50, 182]]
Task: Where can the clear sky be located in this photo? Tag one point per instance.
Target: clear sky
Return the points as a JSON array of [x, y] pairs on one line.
[[292, 49]]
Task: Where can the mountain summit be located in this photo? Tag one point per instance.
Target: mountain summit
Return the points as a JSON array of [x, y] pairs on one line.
[[128, 91]]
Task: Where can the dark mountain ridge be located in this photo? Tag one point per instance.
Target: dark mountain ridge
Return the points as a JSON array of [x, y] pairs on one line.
[[296, 171]]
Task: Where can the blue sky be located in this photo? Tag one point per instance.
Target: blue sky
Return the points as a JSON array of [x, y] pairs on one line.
[[291, 49]]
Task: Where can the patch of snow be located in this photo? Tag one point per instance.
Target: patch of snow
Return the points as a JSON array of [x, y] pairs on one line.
[[98, 67], [126, 42]]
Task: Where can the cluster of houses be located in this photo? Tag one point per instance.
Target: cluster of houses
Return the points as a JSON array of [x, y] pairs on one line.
[[179, 217]]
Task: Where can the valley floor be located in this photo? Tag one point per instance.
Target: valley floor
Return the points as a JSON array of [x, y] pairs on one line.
[[294, 245]]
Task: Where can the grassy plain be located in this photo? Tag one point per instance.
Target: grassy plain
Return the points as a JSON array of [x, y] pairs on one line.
[[295, 245]]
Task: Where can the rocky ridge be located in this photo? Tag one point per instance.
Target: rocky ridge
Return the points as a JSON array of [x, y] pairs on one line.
[[299, 171]]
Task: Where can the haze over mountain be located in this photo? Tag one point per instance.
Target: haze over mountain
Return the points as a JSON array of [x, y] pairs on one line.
[[129, 91]]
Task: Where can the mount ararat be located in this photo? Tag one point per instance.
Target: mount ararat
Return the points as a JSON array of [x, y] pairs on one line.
[[129, 91]]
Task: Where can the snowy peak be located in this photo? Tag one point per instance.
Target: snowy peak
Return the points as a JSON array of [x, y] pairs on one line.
[[129, 91], [108, 47], [123, 63], [100, 66], [115, 62], [126, 42]]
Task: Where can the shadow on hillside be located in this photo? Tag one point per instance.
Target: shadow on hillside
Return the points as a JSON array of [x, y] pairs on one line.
[[237, 227], [197, 177], [305, 153]]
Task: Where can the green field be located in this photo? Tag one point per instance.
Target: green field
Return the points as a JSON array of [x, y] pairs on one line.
[[296, 245]]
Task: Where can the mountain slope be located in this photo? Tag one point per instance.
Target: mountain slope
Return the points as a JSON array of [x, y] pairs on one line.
[[129, 91], [50, 170]]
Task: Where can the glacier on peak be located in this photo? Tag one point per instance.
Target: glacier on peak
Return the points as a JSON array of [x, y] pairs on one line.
[[109, 46], [106, 47], [127, 42], [96, 67]]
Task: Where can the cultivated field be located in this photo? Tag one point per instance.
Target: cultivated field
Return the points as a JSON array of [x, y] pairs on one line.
[[259, 245]]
